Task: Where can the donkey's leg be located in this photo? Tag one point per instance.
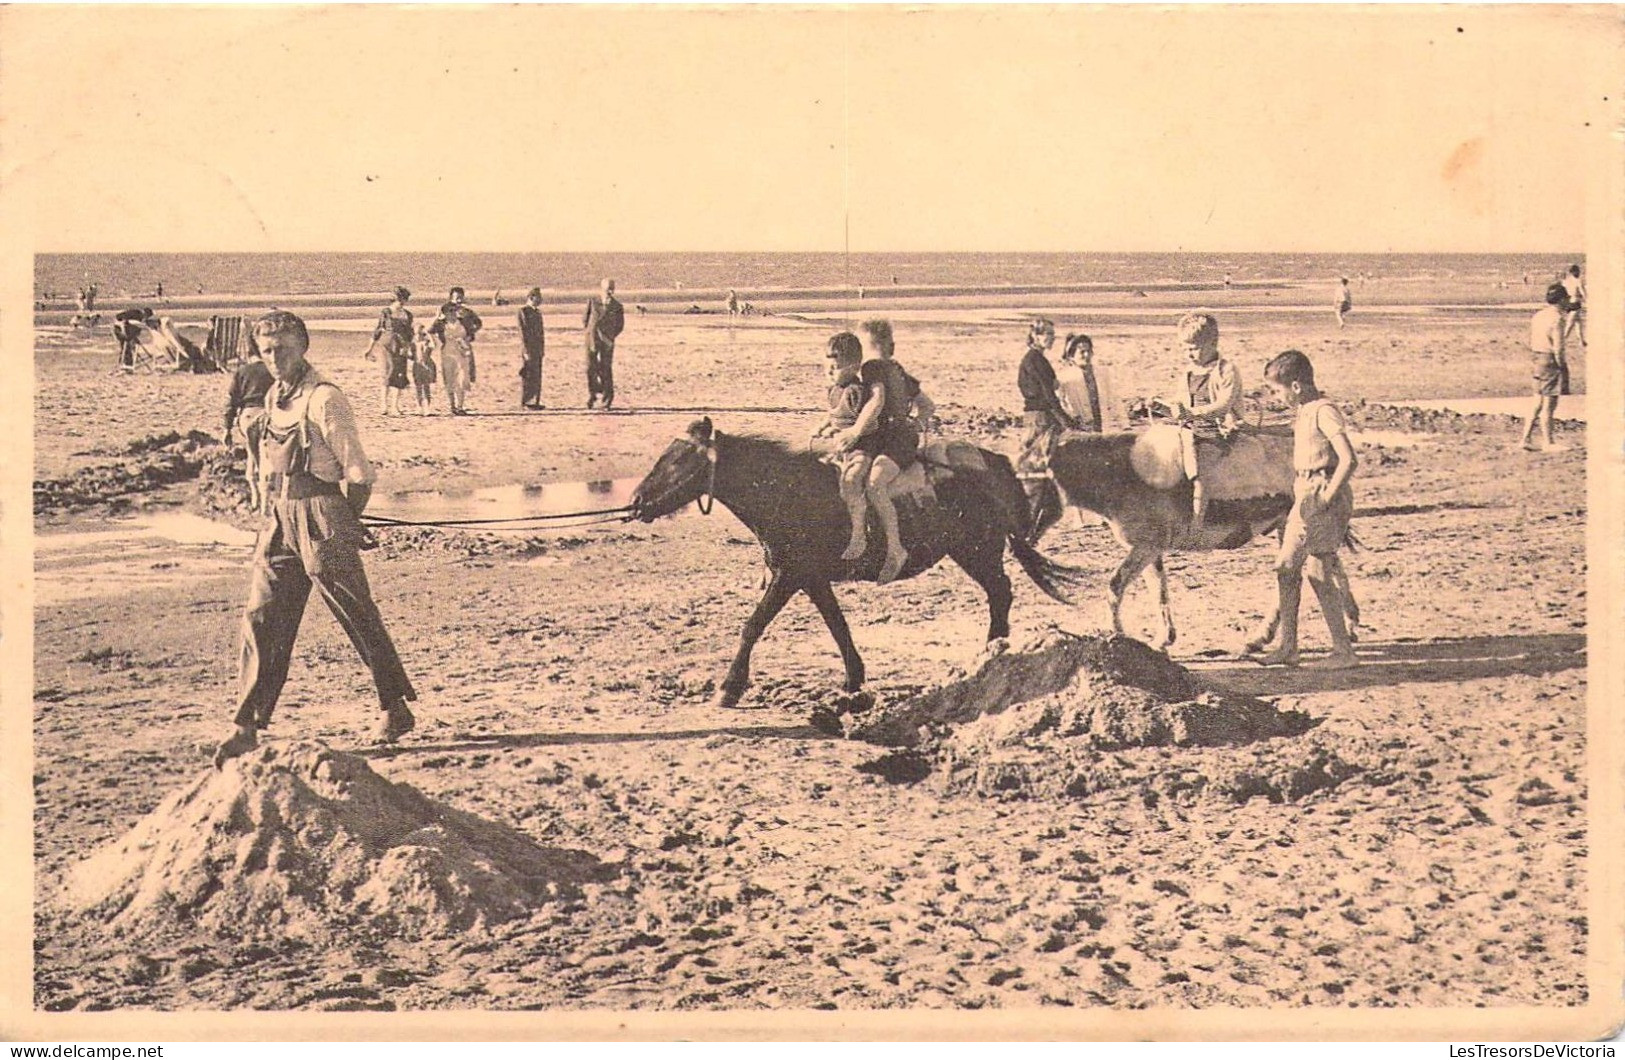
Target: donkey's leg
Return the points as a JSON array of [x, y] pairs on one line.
[[1135, 562], [823, 598], [985, 564], [1044, 502], [779, 591], [1351, 607], [1264, 635], [1168, 633]]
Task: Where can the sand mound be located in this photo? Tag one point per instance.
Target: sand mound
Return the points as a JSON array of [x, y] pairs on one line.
[[1075, 716], [144, 470], [149, 464], [297, 840]]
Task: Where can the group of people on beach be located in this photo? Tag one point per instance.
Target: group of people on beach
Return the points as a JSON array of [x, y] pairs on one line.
[[878, 413], [408, 350], [313, 480]]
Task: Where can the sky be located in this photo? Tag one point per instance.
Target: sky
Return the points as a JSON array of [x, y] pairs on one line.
[[822, 128]]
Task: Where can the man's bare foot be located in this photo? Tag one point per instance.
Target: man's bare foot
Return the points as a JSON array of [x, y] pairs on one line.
[[397, 722], [855, 549], [892, 566], [1278, 657], [1337, 660], [236, 745]]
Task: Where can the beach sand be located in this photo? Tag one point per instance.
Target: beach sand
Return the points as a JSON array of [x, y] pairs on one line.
[[565, 687]]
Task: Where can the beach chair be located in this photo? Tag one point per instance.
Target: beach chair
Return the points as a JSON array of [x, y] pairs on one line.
[[227, 345]]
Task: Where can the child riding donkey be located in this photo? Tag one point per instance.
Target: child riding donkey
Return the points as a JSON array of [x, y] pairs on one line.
[[880, 444]]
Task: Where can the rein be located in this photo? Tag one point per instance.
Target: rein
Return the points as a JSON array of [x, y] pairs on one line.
[[708, 496]]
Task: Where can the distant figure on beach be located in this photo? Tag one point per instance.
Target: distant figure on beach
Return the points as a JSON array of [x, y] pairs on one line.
[[733, 302], [158, 292], [1548, 330], [602, 324], [1207, 399], [1345, 301], [1045, 419], [245, 405], [392, 338], [127, 328], [318, 482], [455, 327], [1574, 287], [533, 346]]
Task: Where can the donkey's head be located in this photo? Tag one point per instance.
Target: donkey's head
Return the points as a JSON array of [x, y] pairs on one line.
[[684, 473]]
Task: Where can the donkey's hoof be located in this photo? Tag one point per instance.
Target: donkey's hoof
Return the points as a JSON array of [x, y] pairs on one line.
[[727, 698]]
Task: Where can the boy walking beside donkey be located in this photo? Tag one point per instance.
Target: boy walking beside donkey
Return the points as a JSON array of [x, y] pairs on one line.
[[1323, 502]]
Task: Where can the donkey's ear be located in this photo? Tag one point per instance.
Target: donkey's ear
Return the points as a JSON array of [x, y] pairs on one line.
[[700, 430]]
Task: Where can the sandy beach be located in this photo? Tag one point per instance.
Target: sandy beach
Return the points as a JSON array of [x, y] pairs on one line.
[[747, 859]]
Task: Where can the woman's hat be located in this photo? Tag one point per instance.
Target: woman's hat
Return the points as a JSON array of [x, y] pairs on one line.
[[402, 294]]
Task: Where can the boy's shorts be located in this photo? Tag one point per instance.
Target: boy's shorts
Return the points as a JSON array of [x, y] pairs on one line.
[[1551, 378], [853, 460], [1316, 527]]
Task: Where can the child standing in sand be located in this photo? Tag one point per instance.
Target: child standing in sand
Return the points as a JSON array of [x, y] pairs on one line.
[[1548, 338], [423, 370], [1323, 502]]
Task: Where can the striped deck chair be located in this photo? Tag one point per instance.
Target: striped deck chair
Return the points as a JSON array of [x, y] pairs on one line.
[[227, 346]]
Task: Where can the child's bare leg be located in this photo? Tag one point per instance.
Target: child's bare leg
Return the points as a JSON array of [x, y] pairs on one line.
[[880, 479], [1529, 424], [1550, 404], [854, 477], [1289, 586], [1331, 607]]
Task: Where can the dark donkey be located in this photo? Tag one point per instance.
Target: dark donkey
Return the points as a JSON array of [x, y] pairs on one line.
[[790, 500], [1095, 472]]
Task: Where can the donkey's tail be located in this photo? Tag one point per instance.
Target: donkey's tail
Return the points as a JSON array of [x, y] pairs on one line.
[[1059, 581]]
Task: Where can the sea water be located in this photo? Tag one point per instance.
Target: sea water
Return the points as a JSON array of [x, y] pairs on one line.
[[137, 275]]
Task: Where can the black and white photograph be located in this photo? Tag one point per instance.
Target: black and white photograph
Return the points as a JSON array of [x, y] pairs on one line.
[[1024, 522]]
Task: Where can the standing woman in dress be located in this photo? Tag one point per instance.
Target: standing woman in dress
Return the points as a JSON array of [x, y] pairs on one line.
[[393, 336]]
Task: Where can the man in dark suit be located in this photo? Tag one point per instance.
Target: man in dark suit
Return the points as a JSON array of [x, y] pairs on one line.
[[603, 322], [534, 342]]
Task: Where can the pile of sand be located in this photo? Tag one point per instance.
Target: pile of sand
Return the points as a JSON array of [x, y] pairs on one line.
[[149, 465], [296, 840], [1073, 716]]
